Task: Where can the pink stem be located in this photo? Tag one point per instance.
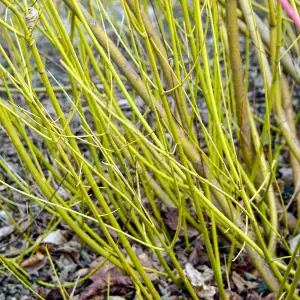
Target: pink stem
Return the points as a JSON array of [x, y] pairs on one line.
[[290, 12]]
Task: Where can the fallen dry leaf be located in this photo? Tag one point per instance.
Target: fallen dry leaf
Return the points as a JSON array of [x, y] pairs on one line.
[[3, 216], [34, 263], [54, 294], [148, 262], [242, 284], [42, 248], [56, 237], [81, 273], [198, 254], [108, 272], [293, 243], [271, 296], [233, 296], [171, 220], [73, 252], [6, 230], [201, 280]]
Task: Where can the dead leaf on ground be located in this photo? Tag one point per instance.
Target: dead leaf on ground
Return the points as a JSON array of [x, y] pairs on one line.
[[82, 272], [9, 229], [198, 254], [34, 263], [42, 248], [54, 294], [201, 281], [171, 221], [107, 274], [111, 272], [73, 252], [293, 243], [24, 224], [233, 296], [271, 296], [242, 284], [6, 230], [253, 295], [56, 238], [3, 216], [148, 262]]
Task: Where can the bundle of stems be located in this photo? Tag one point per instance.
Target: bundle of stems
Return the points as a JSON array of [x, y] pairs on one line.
[[213, 165]]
